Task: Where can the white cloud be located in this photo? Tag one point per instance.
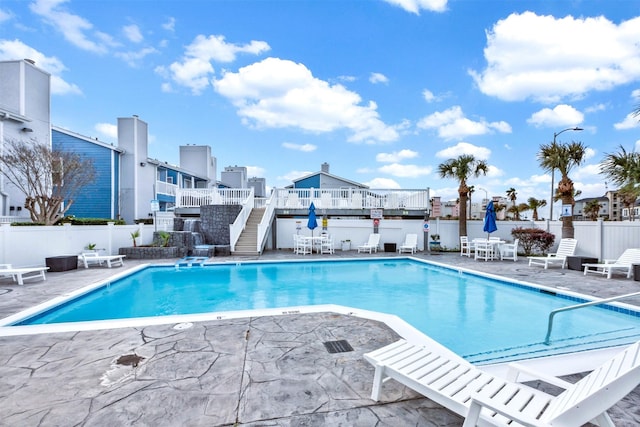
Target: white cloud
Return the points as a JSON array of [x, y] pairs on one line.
[[480, 153], [307, 148], [452, 124], [428, 95], [414, 6], [195, 70], [405, 171], [347, 78], [10, 50], [629, 122], [547, 58], [396, 156], [134, 58], [386, 183], [589, 153], [75, 29], [277, 93], [494, 172], [561, 115], [595, 108], [292, 175], [107, 129], [132, 33], [170, 24], [5, 15], [589, 172], [255, 171], [376, 78], [635, 94]]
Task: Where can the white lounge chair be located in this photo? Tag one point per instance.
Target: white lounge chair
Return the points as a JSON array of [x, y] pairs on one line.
[[371, 245], [459, 386], [567, 247], [624, 262], [21, 274], [410, 244], [465, 246], [94, 258]]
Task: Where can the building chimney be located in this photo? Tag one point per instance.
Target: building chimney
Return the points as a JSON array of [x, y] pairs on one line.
[[324, 167]]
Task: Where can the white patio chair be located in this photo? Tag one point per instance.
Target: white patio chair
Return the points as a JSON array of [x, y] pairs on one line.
[[509, 250], [466, 246]]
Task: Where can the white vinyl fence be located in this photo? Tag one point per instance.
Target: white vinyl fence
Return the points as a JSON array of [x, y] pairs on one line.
[[30, 245]]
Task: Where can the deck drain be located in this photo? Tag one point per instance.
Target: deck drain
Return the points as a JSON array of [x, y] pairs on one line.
[[340, 346]]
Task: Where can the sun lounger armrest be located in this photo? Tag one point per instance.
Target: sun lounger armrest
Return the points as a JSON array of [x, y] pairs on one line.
[[478, 401], [515, 369]]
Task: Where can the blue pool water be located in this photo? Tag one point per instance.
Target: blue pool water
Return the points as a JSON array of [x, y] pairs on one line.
[[477, 317]]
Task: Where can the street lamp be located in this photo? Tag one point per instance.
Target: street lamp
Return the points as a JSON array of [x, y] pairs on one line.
[[555, 134], [486, 194]]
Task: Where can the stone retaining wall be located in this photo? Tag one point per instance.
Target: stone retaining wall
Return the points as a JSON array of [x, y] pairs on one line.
[[152, 252]]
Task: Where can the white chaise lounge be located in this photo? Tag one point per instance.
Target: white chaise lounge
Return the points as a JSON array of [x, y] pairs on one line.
[[371, 245], [21, 274], [624, 263], [467, 390], [567, 247], [410, 244], [94, 258]]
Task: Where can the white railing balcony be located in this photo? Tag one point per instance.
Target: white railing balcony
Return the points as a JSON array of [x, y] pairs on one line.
[[352, 198], [196, 197], [286, 198], [163, 187]]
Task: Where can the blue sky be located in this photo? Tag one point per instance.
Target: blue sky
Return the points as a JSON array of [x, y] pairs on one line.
[[382, 90]]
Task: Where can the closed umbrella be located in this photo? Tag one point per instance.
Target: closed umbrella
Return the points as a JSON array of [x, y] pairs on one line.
[[312, 223], [490, 219]]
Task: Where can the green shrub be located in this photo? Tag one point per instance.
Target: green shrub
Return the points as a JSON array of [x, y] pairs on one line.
[[533, 239], [146, 221]]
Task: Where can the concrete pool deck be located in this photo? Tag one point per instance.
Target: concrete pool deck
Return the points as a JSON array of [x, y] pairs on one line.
[[256, 371]]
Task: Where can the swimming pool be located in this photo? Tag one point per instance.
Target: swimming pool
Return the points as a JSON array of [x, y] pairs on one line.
[[480, 318]]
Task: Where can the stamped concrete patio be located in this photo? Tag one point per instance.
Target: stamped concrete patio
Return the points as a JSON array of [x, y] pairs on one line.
[[255, 371]]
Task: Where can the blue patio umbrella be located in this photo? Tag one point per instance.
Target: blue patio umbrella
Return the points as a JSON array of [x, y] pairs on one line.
[[490, 219], [313, 222]]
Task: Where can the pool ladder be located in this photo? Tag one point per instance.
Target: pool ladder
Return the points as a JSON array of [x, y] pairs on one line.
[[576, 306]]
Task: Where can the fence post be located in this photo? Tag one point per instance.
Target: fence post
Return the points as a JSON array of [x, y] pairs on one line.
[[110, 226]]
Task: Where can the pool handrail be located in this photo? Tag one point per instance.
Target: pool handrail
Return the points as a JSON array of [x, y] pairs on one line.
[[576, 306]]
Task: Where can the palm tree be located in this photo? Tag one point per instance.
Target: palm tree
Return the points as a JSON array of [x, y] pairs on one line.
[[516, 210], [592, 209], [623, 168], [563, 157], [512, 196], [534, 204], [472, 189], [629, 194], [462, 168], [499, 207]]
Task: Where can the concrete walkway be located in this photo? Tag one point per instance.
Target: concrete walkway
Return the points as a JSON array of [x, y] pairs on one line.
[[258, 371]]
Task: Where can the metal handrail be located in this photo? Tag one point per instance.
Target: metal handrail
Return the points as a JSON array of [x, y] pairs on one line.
[[576, 306]]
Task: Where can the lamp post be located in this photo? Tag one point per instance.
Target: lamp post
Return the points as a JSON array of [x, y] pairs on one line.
[[555, 135]]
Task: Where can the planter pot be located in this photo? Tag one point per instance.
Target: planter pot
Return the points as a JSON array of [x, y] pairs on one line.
[[435, 246], [346, 246]]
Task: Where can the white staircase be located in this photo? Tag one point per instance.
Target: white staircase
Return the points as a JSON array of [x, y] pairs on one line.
[[248, 240]]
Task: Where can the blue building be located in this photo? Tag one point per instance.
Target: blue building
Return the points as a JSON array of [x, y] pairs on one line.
[[100, 198]]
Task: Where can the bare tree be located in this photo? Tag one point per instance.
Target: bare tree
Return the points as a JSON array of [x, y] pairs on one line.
[[50, 180]]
